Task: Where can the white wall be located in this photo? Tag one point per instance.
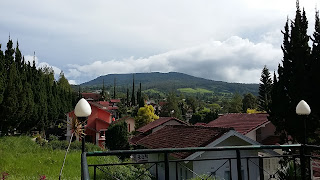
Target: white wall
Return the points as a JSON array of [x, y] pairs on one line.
[[207, 167], [252, 135]]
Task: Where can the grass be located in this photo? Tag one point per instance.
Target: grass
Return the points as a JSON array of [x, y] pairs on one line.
[[22, 158], [194, 91]]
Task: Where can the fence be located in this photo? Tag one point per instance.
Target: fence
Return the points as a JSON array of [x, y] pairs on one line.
[[230, 162]]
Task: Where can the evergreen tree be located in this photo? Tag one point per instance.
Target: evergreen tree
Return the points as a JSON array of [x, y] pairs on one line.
[[293, 83], [133, 99], [265, 87], [2, 76]]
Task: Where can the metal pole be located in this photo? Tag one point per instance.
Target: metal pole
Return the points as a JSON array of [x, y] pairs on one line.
[[239, 165], [248, 170], [166, 166], [303, 163]]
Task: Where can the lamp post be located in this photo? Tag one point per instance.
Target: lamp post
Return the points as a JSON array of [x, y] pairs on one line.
[[303, 109], [82, 111]]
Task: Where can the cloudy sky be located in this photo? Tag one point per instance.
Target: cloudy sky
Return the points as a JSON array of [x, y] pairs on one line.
[[220, 40]]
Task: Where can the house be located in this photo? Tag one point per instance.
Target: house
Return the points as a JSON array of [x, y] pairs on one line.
[[97, 123], [255, 126], [130, 122], [182, 136], [155, 126], [91, 96]]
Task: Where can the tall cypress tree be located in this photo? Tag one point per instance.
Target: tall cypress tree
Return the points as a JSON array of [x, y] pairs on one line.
[[292, 83], [2, 76], [265, 87], [133, 99]]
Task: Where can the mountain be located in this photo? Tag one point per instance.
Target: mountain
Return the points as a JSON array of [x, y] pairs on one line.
[[165, 82]]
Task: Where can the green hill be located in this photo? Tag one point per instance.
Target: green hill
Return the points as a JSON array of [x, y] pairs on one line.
[[165, 82]]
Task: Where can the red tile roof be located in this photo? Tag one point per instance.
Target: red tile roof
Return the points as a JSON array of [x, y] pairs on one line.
[[182, 136], [157, 123], [242, 123], [136, 138], [114, 100], [91, 96]]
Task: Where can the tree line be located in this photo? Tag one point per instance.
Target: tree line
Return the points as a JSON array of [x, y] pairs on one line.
[[30, 97]]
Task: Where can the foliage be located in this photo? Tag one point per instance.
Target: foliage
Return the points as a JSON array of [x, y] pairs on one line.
[[117, 136], [194, 91], [249, 101], [297, 80], [145, 115], [171, 108], [289, 172], [265, 87], [204, 176], [30, 98], [203, 116]]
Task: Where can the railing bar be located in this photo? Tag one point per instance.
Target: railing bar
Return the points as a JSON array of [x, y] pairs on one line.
[[193, 149], [176, 170], [143, 172], [248, 171], [156, 170], [107, 173], [94, 172], [217, 169], [230, 168]]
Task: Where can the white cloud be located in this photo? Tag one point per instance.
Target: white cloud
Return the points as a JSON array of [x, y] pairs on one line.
[[232, 60]]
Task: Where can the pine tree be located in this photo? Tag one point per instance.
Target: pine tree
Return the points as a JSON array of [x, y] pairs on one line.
[[133, 99], [2, 76], [265, 87], [292, 83]]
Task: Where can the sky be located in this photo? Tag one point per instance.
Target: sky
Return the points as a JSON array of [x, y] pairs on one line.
[[227, 41]]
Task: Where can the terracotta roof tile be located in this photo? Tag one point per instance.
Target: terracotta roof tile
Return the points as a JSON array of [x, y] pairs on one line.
[[91, 96], [242, 123], [157, 123], [181, 136]]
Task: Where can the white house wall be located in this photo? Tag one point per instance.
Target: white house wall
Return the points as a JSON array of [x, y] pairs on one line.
[[207, 167], [252, 135]]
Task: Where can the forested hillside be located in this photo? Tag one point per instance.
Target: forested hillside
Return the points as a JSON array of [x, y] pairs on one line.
[[166, 82]]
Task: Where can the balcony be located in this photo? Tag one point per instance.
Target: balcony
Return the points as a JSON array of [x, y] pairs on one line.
[[229, 162]]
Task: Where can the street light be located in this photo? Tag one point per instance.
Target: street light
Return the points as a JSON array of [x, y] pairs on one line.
[[82, 111], [303, 109]]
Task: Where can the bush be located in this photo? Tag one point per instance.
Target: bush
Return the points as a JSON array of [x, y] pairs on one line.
[[76, 145]]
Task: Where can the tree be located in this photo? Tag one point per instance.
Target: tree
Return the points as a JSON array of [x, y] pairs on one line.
[[144, 116], [249, 101], [133, 99], [235, 104], [171, 108], [293, 82], [265, 87], [117, 136]]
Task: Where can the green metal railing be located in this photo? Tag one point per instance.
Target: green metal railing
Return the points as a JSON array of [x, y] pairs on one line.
[[167, 151]]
